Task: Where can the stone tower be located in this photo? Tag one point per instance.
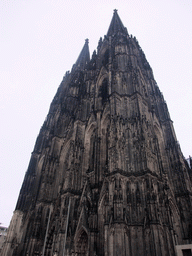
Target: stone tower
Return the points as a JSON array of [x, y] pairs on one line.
[[107, 176]]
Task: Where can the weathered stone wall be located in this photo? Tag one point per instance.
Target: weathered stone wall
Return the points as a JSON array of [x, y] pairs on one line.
[[107, 176]]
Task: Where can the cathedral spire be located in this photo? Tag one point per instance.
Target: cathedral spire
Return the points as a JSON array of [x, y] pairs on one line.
[[116, 25], [84, 56], [106, 164]]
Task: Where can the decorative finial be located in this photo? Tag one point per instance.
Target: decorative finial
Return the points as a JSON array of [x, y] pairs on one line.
[[86, 40], [115, 10]]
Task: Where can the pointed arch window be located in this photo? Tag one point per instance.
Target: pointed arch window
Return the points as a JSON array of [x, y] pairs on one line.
[[92, 152], [105, 60], [82, 244], [103, 91]]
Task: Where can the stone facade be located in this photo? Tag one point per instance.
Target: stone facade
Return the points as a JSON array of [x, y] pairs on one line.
[[3, 233], [107, 176]]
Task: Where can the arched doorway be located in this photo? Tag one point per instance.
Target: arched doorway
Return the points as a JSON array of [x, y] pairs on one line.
[[82, 244]]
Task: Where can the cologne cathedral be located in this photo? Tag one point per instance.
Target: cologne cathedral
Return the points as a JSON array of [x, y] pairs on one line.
[[107, 176]]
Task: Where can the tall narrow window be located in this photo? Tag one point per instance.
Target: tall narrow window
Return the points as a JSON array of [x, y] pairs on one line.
[[103, 91], [92, 153], [82, 244], [106, 58]]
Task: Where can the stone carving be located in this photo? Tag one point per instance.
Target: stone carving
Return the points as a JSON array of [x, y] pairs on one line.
[[106, 176]]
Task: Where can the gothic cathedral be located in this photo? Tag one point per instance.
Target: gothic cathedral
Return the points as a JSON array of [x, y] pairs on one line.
[[107, 176]]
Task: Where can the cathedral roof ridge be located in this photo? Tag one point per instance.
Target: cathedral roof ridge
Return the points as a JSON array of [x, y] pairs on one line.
[[116, 25]]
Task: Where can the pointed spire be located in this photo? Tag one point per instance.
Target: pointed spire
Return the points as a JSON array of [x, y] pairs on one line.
[[116, 25], [84, 56]]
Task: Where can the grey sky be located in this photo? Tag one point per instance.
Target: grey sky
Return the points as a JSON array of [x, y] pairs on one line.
[[40, 41]]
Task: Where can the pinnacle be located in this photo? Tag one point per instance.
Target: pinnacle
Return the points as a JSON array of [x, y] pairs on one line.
[[84, 56], [116, 25]]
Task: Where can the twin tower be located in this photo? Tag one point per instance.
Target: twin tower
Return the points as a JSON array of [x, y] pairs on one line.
[[107, 176]]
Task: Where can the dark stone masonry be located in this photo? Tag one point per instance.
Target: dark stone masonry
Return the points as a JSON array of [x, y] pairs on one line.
[[107, 176]]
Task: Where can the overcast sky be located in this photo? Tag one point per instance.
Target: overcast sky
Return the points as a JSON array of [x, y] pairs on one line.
[[40, 41]]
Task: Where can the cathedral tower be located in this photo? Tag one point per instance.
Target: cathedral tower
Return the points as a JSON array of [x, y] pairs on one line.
[[107, 176]]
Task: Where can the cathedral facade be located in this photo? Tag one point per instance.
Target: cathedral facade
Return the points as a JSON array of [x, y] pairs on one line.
[[107, 176]]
